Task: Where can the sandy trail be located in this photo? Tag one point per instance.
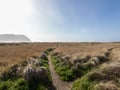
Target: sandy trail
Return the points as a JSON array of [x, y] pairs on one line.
[[57, 82]]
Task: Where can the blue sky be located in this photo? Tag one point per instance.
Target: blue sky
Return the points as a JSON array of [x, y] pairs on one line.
[[62, 20]]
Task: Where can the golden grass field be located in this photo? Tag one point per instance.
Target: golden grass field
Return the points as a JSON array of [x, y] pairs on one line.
[[15, 53]]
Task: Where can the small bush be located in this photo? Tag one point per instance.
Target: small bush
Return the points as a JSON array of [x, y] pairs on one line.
[[103, 58], [44, 56], [65, 72], [8, 74], [83, 84], [48, 51], [19, 84], [95, 76], [5, 85], [41, 87], [68, 71], [44, 63]]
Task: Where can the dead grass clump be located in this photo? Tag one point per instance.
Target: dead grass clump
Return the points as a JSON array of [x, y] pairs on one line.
[[80, 59], [95, 60], [23, 63], [103, 58], [44, 56], [31, 73], [41, 73], [55, 53], [12, 72], [107, 53], [106, 86], [112, 71], [89, 65], [96, 76], [78, 66], [66, 57], [34, 61]]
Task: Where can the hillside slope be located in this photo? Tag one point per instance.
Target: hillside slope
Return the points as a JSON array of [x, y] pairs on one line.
[[13, 38]]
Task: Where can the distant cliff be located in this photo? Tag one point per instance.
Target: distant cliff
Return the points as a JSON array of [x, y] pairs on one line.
[[13, 38]]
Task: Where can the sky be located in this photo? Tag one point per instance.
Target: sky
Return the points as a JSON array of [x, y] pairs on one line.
[[62, 20]]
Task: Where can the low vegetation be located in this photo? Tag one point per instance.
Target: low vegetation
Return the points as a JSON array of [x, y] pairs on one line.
[[70, 68], [83, 84], [18, 84], [63, 69], [96, 71], [104, 78], [32, 74]]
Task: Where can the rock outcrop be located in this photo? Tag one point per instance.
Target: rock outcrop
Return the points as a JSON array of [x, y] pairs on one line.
[[13, 38]]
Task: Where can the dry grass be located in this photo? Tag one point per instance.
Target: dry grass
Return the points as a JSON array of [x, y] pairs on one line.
[[106, 86], [15, 53], [116, 54], [78, 49]]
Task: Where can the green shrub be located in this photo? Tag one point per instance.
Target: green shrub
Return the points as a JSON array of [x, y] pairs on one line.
[[19, 84], [55, 60], [41, 87], [83, 84], [65, 72], [44, 63], [5, 85], [78, 72]]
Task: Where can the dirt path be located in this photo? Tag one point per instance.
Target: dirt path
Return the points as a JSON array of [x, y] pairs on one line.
[[57, 82]]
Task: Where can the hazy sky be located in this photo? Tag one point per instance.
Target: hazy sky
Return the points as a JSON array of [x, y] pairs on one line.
[[61, 20]]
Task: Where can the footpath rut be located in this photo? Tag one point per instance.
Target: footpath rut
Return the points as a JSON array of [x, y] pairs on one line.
[[57, 82]]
